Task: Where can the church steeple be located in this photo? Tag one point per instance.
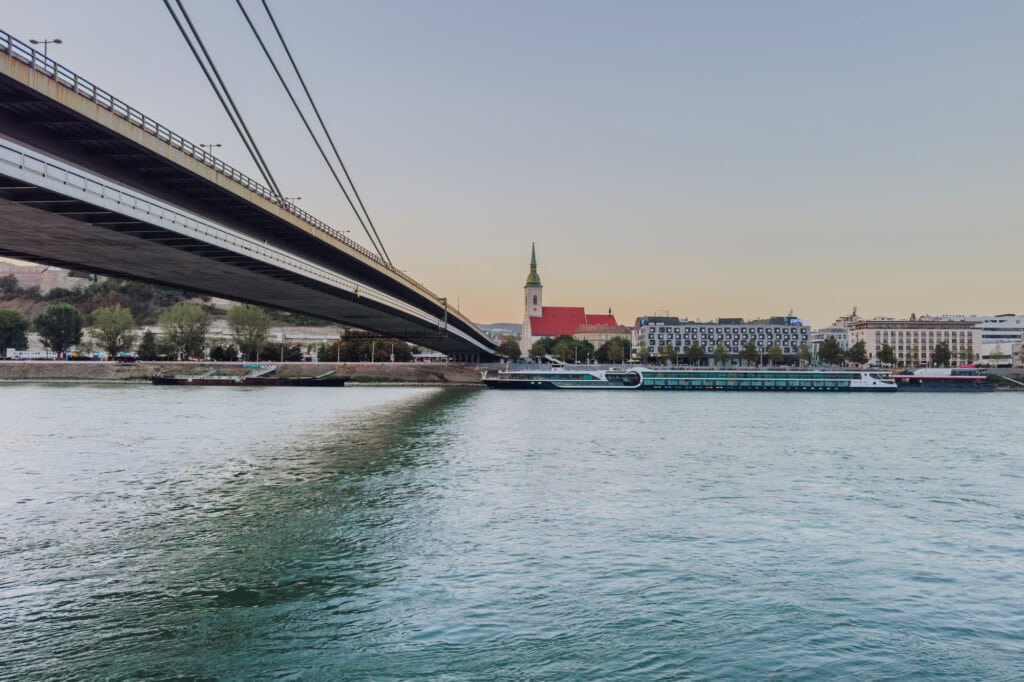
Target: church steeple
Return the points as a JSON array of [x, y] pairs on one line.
[[533, 292], [533, 279]]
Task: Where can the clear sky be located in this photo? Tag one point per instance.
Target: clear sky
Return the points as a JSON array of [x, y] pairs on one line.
[[716, 158]]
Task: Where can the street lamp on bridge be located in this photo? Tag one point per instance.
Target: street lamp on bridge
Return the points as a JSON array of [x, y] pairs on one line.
[[46, 44]]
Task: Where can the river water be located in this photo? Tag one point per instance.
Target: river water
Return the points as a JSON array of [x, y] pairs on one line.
[[395, 533]]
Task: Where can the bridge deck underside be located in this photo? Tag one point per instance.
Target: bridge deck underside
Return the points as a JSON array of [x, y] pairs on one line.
[[61, 123], [43, 226]]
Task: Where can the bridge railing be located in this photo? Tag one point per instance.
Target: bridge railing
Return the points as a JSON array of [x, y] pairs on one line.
[[71, 80]]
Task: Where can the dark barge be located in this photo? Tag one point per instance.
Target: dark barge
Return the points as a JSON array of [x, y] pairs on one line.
[[261, 375]]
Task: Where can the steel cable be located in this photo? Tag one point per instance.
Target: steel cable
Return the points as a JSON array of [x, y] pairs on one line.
[[229, 105], [323, 125], [309, 129]]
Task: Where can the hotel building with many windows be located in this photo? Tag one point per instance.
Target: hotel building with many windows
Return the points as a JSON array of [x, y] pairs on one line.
[[914, 341], [788, 333]]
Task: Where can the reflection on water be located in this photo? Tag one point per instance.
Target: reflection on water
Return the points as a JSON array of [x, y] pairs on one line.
[[397, 532], [143, 515]]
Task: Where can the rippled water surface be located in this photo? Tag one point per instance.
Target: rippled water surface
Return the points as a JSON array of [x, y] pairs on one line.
[[391, 533]]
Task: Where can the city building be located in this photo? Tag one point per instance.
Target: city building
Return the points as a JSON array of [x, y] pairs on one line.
[[600, 334], [914, 341], [1000, 334], [788, 333], [46, 277], [541, 321], [840, 331], [818, 336]]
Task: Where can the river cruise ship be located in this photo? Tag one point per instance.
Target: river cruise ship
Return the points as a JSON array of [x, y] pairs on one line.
[[700, 379]]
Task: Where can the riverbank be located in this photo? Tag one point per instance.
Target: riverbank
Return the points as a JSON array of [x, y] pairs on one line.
[[420, 374]]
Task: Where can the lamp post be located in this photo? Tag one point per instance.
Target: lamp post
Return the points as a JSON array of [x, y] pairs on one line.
[[46, 44], [293, 199], [210, 146]]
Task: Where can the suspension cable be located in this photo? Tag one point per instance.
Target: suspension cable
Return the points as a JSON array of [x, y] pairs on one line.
[[309, 129], [217, 83], [320, 119]]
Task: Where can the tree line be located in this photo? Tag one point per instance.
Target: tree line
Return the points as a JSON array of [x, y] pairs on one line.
[[185, 327], [695, 354]]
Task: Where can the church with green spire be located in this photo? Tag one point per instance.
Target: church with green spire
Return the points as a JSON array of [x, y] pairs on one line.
[[533, 279], [540, 321]]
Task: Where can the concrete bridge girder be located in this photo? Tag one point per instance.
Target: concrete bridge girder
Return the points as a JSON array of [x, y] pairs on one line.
[[151, 240]]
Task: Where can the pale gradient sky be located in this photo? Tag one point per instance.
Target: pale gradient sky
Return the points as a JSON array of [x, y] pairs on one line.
[[708, 158]]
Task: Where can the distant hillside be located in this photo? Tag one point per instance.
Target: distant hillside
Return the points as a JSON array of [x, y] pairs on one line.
[[503, 328], [145, 301]]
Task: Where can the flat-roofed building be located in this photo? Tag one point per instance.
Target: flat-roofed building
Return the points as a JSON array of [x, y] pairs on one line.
[[840, 334], [914, 341], [786, 332], [840, 331], [999, 335]]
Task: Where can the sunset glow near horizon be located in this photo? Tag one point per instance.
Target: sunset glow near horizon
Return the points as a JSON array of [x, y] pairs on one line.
[[738, 159]]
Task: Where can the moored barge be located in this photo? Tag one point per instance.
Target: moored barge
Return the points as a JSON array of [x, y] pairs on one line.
[[944, 380], [261, 375]]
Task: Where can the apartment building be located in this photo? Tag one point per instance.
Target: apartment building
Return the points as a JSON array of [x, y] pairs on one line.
[[788, 333]]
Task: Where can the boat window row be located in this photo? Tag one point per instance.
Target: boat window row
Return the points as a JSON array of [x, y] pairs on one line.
[[554, 376], [794, 376], [748, 382]]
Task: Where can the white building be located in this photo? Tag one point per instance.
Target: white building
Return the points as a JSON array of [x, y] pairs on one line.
[[840, 331], [914, 341], [840, 334], [1000, 334]]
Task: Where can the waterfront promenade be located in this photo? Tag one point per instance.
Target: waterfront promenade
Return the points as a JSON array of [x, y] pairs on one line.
[[365, 372]]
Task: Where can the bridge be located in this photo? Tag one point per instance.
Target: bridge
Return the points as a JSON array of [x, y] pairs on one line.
[[88, 182]]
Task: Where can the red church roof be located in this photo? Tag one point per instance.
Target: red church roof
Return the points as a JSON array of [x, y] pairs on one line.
[[602, 319], [598, 328], [558, 320]]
